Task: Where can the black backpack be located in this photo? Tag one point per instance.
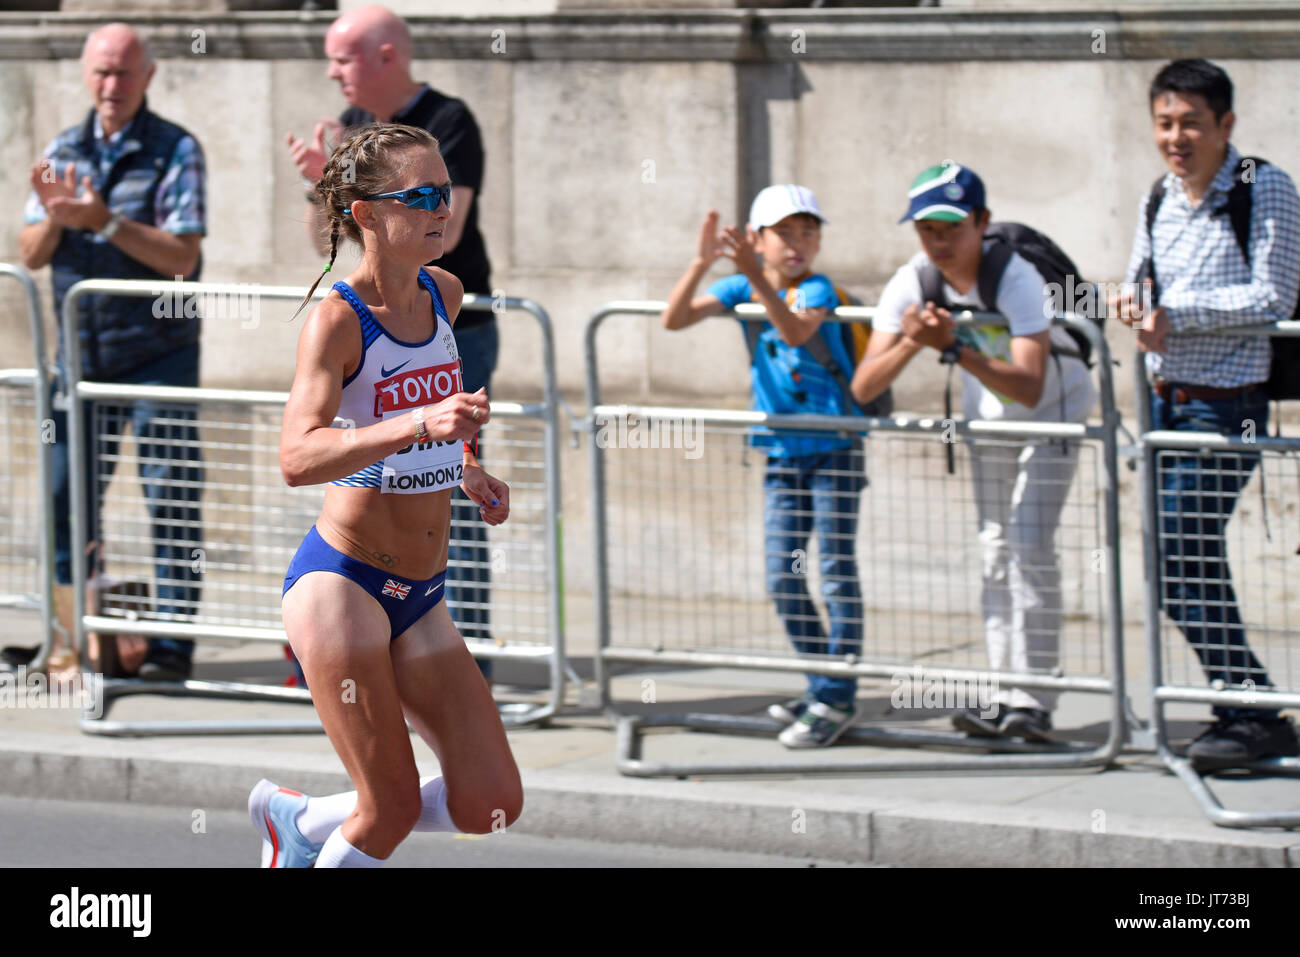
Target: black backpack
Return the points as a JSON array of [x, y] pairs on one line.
[[1284, 373], [1056, 268]]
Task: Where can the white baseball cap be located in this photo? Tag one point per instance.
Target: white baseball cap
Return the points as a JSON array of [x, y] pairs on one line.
[[777, 202]]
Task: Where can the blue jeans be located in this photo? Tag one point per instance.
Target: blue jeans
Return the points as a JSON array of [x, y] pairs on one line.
[[467, 586], [171, 490], [1196, 499], [803, 493]]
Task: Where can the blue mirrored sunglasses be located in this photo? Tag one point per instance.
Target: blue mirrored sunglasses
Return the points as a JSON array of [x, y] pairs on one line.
[[417, 197]]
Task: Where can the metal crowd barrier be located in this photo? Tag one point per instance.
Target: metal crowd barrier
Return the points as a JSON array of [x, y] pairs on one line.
[[27, 522], [1261, 546], [679, 568], [236, 524]]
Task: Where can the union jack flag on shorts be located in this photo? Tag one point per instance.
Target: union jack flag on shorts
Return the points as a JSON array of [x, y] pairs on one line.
[[396, 589]]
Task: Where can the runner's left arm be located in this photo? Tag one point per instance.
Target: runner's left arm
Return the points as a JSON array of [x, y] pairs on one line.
[[490, 494]]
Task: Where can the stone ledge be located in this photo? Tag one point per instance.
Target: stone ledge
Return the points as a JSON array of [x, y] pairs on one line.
[[1260, 32]]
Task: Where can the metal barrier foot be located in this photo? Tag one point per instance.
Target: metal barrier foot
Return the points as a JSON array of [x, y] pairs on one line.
[[994, 754], [515, 714], [1224, 817], [109, 691], [95, 712]]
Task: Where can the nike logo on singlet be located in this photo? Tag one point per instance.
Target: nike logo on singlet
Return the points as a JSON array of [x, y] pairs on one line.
[[387, 372]]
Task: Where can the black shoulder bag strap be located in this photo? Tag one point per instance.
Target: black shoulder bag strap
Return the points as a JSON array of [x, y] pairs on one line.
[[932, 285], [820, 351], [753, 329], [1240, 201], [1148, 271], [993, 263], [932, 291]]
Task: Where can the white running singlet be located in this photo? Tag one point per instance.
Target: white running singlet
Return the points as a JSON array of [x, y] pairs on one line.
[[393, 378]]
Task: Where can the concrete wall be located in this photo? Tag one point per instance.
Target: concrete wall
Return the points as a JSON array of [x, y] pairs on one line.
[[608, 136]]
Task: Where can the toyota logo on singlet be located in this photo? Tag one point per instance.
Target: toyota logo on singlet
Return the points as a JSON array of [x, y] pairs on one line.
[[417, 387]]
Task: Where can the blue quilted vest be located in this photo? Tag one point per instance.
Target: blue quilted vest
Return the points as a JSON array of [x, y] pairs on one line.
[[118, 333]]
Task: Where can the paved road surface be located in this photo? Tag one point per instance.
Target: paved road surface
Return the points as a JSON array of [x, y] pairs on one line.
[[74, 833]]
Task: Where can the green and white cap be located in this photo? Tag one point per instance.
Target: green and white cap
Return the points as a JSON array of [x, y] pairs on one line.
[[946, 192]]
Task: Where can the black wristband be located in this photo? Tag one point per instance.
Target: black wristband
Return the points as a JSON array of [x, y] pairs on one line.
[[951, 356]]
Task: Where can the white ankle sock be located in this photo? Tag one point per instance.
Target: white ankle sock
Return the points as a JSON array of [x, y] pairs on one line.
[[337, 852], [322, 815], [433, 813]]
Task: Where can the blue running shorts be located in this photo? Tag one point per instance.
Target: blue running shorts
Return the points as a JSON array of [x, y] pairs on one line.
[[404, 601]]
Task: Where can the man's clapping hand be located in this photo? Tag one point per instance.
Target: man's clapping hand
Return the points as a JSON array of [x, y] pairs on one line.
[[310, 158], [63, 204]]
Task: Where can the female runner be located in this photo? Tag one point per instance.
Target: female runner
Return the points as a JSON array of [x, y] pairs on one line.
[[362, 603]]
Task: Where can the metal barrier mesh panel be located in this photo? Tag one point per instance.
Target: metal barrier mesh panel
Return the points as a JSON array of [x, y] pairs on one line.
[[224, 525], [1234, 516], [690, 566], [21, 507]]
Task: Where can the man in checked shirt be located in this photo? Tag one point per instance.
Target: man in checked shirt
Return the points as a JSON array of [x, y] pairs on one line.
[[1201, 281], [121, 195]]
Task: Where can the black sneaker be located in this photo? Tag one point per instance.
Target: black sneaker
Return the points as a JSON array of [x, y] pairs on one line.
[[1235, 742], [18, 656], [1028, 723], [164, 666], [972, 722]]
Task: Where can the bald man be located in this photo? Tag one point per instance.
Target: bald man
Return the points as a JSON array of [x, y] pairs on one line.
[[121, 196], [369, 51]]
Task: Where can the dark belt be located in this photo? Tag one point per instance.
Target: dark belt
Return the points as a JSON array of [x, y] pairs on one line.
[[1185, 393]]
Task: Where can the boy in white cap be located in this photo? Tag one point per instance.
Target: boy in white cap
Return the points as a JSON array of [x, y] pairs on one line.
[[813, 479], [1008, 373]]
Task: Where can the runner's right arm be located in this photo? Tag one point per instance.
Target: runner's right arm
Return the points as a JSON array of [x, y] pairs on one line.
[[311, 451]]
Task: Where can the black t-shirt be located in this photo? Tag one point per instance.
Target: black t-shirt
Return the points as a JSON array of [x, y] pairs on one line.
[[452, 124]]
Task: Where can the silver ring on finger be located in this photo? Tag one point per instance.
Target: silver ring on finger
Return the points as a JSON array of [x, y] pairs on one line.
[[475, 413]]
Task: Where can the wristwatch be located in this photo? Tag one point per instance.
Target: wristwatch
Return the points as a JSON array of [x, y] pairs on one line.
[[309, 190], [421, 433], [111, 227], [952, 354]]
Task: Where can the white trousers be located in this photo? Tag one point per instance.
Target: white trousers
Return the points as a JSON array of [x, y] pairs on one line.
[[1019, 493]]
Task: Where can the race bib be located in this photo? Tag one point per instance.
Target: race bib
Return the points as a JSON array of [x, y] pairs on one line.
[[426, 466]]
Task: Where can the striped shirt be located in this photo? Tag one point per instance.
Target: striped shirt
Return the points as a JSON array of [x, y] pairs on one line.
[[1205, 283]]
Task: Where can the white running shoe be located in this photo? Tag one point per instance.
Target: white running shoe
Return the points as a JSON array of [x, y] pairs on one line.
[[274, 810]]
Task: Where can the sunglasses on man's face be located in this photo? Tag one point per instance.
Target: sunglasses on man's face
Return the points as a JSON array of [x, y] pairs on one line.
[[417, 197]]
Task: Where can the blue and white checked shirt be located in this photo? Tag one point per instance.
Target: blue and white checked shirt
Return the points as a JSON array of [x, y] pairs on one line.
[[1205, 283]]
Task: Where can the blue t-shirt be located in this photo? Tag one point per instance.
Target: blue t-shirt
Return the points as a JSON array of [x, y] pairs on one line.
[[787, 380]]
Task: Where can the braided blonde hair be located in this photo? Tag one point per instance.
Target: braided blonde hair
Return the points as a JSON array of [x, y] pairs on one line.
[[359, 167]]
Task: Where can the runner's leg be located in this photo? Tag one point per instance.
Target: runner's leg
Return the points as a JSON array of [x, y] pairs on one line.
[[341, 637], [447, 701]]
